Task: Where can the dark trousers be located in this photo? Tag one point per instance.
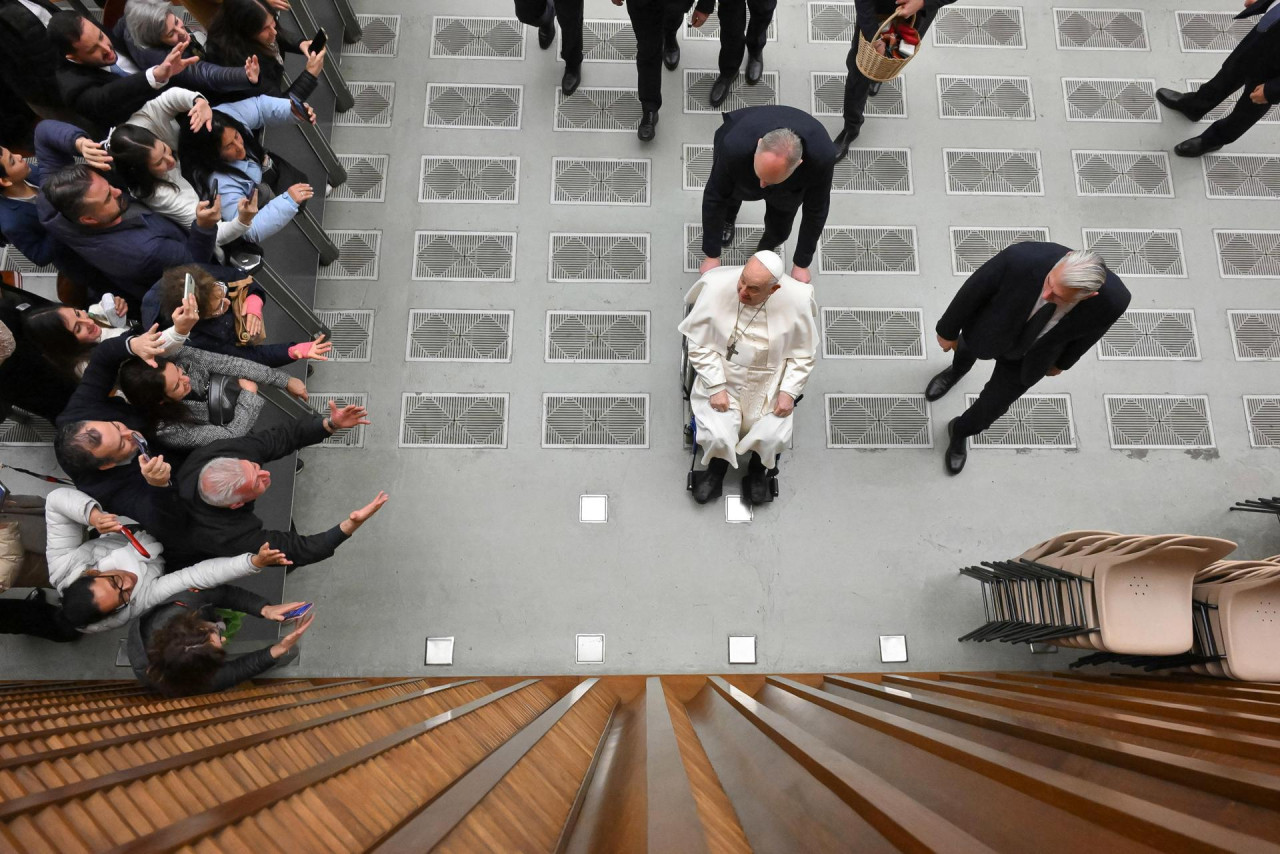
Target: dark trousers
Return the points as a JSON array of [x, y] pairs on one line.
[[871, 14], [34, 617], [1000, 392], [779, 216], [737, 36], [538, 13], [654, 23], [1232, 75]]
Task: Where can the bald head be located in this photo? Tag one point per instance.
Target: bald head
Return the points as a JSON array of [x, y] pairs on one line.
[[778, 154]]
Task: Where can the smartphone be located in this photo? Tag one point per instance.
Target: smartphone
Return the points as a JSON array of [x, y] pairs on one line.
[[188, 286], [143, 450], [317, 43], [137, 545], [299, 611]]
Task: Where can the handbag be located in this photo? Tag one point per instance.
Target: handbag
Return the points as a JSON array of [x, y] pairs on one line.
[[238, 292], [224, 393]]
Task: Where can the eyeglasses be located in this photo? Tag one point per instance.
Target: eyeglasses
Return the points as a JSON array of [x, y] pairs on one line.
[[124, 592]]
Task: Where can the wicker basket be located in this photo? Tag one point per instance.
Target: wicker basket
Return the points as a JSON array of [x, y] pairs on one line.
[[876, 66]]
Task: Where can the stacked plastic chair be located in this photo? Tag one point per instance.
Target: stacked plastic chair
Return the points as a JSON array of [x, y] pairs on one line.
[[1117, 595], [1237, 621]]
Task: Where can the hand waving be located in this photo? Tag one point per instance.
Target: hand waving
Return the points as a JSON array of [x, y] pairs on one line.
[[268, 556], [347, 416]]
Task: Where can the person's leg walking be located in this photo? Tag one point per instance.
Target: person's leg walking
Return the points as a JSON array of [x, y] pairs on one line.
[[733, 26], [569, 16], [1000, 392], [857, 85], [646, 22], [1234, 124]]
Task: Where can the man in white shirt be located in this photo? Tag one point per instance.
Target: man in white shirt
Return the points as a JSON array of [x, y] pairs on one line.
[[752, 338]]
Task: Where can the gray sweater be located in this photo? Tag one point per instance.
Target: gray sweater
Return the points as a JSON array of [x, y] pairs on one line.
[[199, 365]]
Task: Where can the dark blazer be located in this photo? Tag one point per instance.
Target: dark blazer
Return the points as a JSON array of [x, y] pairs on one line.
[[120, 489], [102, 97], [1257, 57], [20, 225], [992, 306], [222, 531], [28, 60], [234, 669], [733, 175], [27, 378]]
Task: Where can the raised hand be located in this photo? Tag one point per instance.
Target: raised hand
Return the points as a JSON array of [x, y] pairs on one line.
[[174, 63], [148, 345], [155, 470], [277, 612], [103, 521], [247, 208], [252, 69], [348, 416], [297, 388], [268, 556], [358, 517], [301, 192], [94, 154], [201, 115], [209, 212], [290, 640], [186, 315]]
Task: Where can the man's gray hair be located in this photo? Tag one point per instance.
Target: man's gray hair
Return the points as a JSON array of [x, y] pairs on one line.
[[785, 143], [1082, 269], [145, 20], [222, 481]]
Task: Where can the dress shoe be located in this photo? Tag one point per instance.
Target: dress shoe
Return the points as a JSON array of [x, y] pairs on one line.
[[957, 453], [1173, 100], [720, 89], [941, 384], [1194, 147], [708, 485], [874, 88], [756, 486], [728, 232], [572, 77], [755, 67], [647, 129], [844, 139], [547, 34], [671, 53]]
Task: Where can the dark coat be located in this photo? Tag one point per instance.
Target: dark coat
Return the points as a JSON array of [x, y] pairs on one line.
[[234, 670], [219, 333], [1257, 58], [992, 306], [28, 60], [733, 175], [20, 225], [132, 254], [208, 78], [27, 378], [222, 531], [102, 97], [121, 489]]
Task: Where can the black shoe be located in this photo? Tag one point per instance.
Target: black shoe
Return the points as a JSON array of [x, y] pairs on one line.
[[1173, 100], [844, 139], [1194, 147], [671, 53], [297, 465], [755, 67], [708, 485], [547, 34], [757, 483], [957, 453], [720, 89], [873, 89], [728, 232], [647, 129], [941, 384], [572, 77]]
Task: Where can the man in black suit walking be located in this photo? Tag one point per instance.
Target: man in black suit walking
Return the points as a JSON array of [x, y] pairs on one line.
[[1035, 308], [543, 14], [871, 14], [736, 37], [656, 24], [1255, 65], [779, 154]]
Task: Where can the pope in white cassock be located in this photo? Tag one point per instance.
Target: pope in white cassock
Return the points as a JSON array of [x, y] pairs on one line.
[[752, 335]]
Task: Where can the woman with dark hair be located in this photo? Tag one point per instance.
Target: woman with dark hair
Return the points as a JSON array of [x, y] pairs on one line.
[[144, 156], [66, 336], [216, 328], [178, 649], [225, 156], [183, 400], [241, 29], [150, 29]]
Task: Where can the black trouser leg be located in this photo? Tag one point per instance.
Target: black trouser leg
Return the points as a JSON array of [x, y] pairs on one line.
[[646, 21], [535, 13], [962, 358], [856, 85], [777, 225], [1004, 387], [733, 25], [34, 617], [758, 29], [731, 208], [1233, 125], [1212, 92], [569, 16]]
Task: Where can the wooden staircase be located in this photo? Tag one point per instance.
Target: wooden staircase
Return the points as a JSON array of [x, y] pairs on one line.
[[951, 762]]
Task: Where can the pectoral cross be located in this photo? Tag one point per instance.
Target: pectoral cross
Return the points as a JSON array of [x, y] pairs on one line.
[[731, 350]]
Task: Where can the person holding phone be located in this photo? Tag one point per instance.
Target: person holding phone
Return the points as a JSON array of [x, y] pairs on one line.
[[179, 648], [249, 29]]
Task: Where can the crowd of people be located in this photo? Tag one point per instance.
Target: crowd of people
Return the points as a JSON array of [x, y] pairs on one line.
[[154, 185], [150, 187]]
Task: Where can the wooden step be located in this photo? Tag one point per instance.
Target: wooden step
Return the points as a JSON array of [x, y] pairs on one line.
[[21, 775], [355, 797], [611, 810]]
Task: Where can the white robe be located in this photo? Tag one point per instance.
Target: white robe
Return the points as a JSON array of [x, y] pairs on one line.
[[775, 351]]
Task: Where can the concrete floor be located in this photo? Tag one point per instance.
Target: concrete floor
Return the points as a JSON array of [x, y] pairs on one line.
[[485, 544]]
